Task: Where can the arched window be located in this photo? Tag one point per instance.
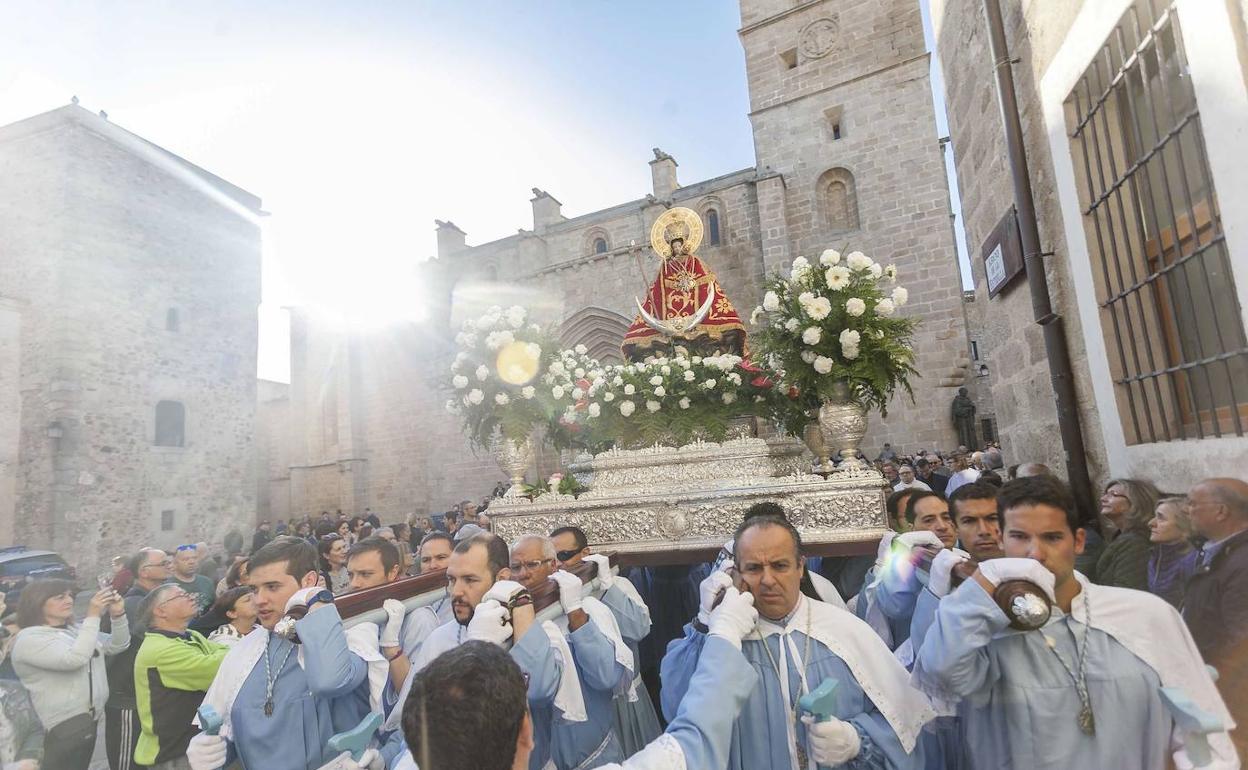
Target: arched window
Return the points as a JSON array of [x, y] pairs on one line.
[[838, 199], [171, 320], [712, 227], [170, 423], [600, 245]]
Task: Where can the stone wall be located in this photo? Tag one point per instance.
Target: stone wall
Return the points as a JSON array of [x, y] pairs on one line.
[[105, 234]]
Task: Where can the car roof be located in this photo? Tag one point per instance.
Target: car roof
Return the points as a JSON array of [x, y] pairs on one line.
[[20, 552]]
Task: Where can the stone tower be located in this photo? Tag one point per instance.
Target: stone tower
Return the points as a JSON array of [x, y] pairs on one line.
[[848, 158]]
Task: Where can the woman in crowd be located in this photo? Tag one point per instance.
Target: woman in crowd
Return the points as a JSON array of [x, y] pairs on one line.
[[304, 530], [236, 611], [235, 576], [1172, 559], [333, 552], [402, 538], [60, 662], [1128, 504], [21, 734], [343, 530]]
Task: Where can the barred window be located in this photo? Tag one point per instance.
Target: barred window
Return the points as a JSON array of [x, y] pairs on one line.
[[1169, 312]]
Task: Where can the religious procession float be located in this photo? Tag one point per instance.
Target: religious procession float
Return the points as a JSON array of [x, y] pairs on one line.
[[703, 417]]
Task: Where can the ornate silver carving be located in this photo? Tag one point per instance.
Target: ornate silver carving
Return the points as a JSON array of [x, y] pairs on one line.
[[843, 422], [817, 38], [813, 438], [514, 458]]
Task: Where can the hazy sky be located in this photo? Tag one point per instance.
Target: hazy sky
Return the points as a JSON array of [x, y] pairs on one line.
[[360, 123]]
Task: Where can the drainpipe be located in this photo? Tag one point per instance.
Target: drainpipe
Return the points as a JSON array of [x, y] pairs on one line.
[[1056, 350]]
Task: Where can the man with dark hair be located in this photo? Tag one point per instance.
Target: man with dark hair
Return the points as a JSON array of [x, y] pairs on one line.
[[636, 721], [488, 605], [434, 552], [466, 711], [896, 585], [929, 512], [976, 521], [798, 644], [924, 470], [372, 562], [1083, 691], [281, 704]]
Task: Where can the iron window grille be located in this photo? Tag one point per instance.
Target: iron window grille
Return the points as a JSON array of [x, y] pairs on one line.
[[1168, 308]]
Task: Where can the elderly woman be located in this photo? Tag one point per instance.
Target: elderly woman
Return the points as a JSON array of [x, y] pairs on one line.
[[234, 612], [60, 662], [1172, 559], [1128, 504]]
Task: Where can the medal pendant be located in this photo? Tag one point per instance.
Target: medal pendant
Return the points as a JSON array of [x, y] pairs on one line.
[[1087, 723], [268, 708]]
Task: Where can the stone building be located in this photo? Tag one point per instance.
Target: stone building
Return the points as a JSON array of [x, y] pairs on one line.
[[847, 156], [1133, 123], [129, 286]]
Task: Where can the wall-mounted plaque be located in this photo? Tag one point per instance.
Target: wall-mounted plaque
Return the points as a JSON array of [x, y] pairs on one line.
[[1002, 253]]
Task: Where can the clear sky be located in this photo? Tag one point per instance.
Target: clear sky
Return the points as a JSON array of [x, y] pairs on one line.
[[360, 123]]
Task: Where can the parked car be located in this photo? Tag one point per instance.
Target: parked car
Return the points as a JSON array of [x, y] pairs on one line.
[[19, 565]]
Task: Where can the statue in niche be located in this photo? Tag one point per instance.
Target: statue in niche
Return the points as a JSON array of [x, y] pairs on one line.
[[964, 419]]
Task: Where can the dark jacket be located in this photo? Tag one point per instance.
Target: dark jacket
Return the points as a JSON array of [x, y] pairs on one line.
[[1124, 562], [121, 666]]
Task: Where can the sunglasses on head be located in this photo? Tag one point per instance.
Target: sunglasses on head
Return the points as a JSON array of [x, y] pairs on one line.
[[187, 547]]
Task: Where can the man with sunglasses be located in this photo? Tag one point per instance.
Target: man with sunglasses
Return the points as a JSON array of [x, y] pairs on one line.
[[636, 721], [186, 577], [604, 664], [172, 672]]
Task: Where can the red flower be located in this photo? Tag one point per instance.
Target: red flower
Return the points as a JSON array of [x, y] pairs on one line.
[[761, 381], [794, 392], [749, 366]]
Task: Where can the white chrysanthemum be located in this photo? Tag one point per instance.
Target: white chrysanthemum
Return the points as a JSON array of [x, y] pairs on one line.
[[819, 308], [858, 261], [890, 273], [855, 306], [656, 380], [900, 296], [515, 316], [885, 307], [823, 364], [482, 372], [811, 335], [875, 270], [534, 350], [666, 370], [805, 298], [475, 396], [629, 389], [709, 384], [837, 277], [829, 257], [684, 403], [579, 373], [608, 396], [689, 375], [556, 367], [627, 408], [557, 391], [800, 268], [808, 356], [660, 391], [653, 406], [594, 410], [697, 359], [577, 394], [850, 352], [528, 391], [771, 303], [734, 378], [729, 397], [850, 337], [617, 381], [791, 325], [502, 399], [534, 328], [469, 341], [459, 381]]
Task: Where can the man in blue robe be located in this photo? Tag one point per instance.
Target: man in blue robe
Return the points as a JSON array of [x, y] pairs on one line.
[[467, 710], [281, 702], [797, 644], [899, 586], [1083, 691]]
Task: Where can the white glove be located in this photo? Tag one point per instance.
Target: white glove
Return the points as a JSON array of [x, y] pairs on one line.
[[998, 571], [300, 597], [490, 623], [940, 576], [710, 589], [920, 537], [206, 752], [395, 612], [369, 760], [734, 617], [570, 589], [605, 578], [886, 547], [832, 742], [503, 591]]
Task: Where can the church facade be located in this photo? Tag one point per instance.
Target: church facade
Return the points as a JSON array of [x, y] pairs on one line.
[[847, 156], [129, 287]]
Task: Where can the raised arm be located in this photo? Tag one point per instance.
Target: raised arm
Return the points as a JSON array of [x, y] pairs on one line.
[[954, 657], [332, 669]]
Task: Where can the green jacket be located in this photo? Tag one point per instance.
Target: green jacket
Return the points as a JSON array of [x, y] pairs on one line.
[[171, 675], [1124, 562]]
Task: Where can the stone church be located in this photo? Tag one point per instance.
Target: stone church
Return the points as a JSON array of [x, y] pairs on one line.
[[846, 156], [129, 287]]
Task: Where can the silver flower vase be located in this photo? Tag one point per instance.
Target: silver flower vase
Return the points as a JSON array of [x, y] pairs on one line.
[[812, 436], [843, 423], [514, 457]]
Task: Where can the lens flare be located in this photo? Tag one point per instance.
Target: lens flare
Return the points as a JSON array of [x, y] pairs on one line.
[[516, 363]]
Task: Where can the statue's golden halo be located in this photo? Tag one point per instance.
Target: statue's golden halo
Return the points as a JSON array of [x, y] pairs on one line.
[[675, 223]]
